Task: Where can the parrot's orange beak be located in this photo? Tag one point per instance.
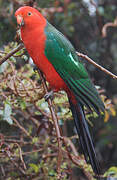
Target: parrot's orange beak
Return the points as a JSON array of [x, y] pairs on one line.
[[20, 20]]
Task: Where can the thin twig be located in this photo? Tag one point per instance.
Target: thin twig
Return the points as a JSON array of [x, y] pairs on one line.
[[21, 127], [97, 65], [21, 156], [18, 48], [15, 164], [15, 141], [2, 170], [55, 120]]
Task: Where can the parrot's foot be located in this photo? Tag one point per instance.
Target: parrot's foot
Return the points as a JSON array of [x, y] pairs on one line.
[[49, 95], [35, 68]]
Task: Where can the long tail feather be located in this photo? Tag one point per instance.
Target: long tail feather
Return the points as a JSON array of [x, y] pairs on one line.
[[84, 136]]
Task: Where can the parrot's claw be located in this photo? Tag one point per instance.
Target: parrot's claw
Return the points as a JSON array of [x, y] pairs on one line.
[[49, 95]]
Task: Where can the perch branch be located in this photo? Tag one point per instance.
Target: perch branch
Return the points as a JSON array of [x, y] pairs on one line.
[[55, 120]]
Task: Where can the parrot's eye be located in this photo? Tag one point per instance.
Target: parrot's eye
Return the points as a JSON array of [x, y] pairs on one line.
[[29, 13]]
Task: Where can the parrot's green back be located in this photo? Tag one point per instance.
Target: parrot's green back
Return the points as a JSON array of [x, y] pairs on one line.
[[60, 52]]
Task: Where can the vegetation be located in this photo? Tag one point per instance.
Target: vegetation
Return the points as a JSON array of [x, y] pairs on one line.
[[28, 143]]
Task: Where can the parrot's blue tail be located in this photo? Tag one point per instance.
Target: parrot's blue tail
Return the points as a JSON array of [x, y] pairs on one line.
[[84, 136]]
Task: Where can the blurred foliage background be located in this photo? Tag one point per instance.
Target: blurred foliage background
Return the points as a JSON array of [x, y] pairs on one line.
[[28, 147]]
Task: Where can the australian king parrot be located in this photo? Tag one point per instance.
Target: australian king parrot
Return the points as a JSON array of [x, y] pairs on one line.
[[55, 56]]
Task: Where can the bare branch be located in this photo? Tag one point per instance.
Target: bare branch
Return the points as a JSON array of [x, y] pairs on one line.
[[110, 24], [97, 65]]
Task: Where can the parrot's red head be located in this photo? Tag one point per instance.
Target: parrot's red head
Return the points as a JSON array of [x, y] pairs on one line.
[[28, 16]]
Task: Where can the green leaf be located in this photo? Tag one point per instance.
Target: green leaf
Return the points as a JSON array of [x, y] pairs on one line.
[[25, 57], [34, 167], [101, 10], [35, 140], [112, 171], [23, 105], [52, 173], [7, 112]]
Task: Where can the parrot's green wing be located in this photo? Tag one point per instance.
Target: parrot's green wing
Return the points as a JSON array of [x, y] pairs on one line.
[[63, 57]]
